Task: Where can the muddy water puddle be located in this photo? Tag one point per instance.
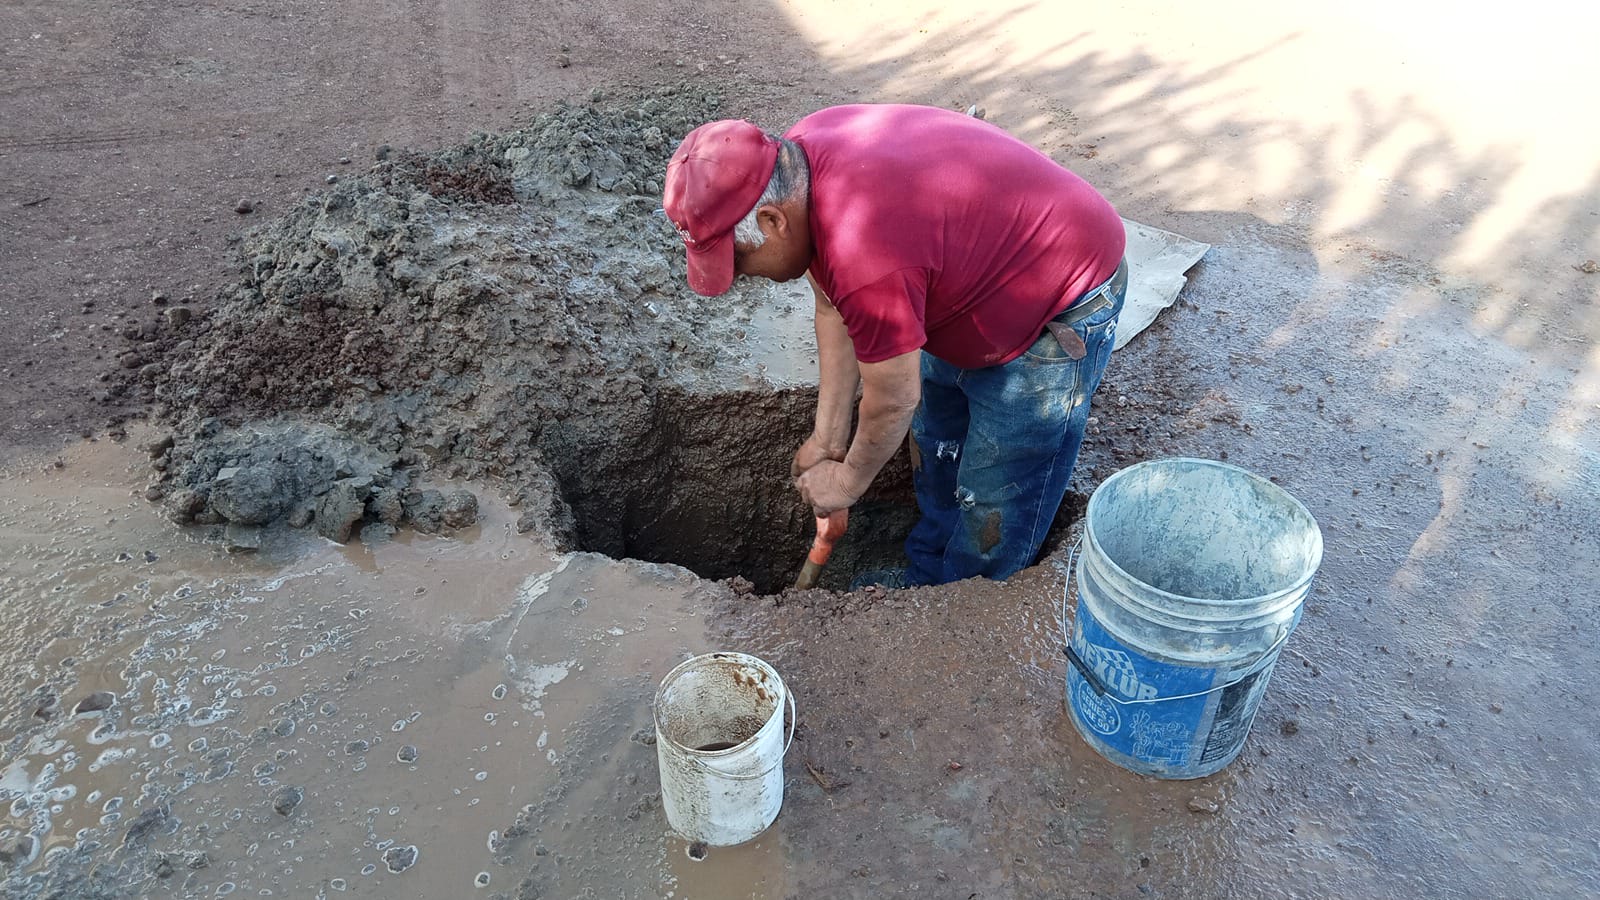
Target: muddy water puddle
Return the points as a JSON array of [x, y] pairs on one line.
[[422, 717]]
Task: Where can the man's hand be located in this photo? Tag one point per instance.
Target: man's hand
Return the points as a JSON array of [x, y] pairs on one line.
[[829, 486], [891, 391], [814, 451]]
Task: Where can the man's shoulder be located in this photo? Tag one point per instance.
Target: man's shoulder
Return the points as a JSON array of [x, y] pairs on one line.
[[868, 116]]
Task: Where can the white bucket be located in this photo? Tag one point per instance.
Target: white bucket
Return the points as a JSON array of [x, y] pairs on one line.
[[720, 744]]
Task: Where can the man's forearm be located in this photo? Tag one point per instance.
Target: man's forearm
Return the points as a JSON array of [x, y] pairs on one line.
[[888, 401], [838, 376]]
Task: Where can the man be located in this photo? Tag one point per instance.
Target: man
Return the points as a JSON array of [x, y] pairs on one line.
[[964, 281]]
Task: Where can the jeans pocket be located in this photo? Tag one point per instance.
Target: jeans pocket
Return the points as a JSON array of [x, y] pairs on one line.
[[1102, 337], [1096, 333], [1048, 350]]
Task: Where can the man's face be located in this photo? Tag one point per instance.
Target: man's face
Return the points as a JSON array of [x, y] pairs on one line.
[[770, 260], [786, 254]]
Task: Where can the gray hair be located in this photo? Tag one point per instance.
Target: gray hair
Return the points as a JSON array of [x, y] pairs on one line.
[[791, 180]]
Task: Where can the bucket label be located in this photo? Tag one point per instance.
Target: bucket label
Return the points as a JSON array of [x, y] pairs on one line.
[[1235, 710], [1166, 734]]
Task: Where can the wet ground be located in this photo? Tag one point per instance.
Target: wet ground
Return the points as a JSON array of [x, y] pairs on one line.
[[1396, 323], [422, 717], [1430, 707]]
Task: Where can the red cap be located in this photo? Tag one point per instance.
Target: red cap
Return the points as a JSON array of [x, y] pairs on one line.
[[714, 179]]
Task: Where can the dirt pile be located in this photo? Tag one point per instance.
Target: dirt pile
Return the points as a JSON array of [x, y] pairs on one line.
[[512, 308], [418, 289], [306, 475]]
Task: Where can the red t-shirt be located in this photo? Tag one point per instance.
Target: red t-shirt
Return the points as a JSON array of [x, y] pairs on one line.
[[936, 230]]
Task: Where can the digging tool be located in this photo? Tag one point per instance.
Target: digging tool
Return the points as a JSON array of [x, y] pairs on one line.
[[829, 529]]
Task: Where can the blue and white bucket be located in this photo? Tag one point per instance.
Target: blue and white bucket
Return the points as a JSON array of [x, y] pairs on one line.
[[1192, 576]]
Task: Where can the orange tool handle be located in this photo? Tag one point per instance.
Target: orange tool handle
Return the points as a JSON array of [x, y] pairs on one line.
[[830, 528]]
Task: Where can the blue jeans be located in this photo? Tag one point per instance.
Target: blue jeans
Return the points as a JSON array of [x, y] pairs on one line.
[[996, 448]]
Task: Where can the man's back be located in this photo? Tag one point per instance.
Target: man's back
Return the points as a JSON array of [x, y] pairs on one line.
[[935, 230]]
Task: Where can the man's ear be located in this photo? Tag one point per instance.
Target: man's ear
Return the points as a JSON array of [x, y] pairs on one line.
[[772, 221]]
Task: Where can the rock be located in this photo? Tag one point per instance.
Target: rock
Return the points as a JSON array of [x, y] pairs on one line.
[[399, 859], [286, 799], [1290, 726], [18, 850], [377, 532], [334, 245], [242, 538], [302, 513], [386, 506], [198, 860], [344, 160], [248, 495], [45, 706], [151, 371], [162, 868], [147, 821], [159, 447], [244, 207], [179, 316], [342, 507], [460, 509], [154, 493], [131, 361], [159, 297], [425, 509], [406, 754], [333, 179], [184, 504], [1203, 805], [404, 270], [95, 702]]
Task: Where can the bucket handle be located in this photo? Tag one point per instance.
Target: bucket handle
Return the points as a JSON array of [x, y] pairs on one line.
[[1102, 690], [793, 717], [1100, 687]]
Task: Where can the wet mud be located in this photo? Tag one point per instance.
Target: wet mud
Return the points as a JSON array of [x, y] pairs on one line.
[[422, 716]]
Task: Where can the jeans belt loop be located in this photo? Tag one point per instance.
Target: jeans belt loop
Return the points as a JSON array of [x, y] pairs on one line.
[[1097, 299]]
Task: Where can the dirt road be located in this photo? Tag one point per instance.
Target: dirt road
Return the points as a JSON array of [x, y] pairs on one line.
[[1397, 323]]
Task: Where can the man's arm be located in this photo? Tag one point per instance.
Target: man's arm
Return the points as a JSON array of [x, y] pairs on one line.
[[837, 379], [890, 391]]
